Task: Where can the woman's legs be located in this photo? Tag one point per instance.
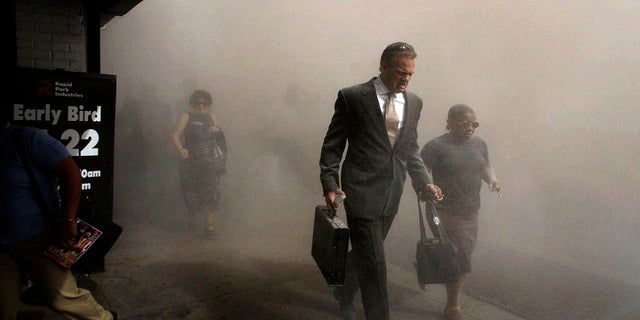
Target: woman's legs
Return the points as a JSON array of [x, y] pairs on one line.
[[454, 292], [463, 228], [213, 197], [453, 310], [210, 216]]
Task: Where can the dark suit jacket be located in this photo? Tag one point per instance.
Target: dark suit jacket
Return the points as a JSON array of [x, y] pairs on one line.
[[373, 173]]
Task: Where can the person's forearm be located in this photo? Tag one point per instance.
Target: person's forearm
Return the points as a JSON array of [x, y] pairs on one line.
[[489, 175], [70, 188], [177, 133], [418, 171], [176, 142]]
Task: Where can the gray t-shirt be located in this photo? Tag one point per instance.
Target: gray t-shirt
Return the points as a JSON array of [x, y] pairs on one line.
[[457, 169]]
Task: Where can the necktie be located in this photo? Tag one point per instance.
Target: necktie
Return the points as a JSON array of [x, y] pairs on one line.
[[391, 119]]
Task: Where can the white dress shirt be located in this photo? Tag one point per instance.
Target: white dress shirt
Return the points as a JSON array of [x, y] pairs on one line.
[[398, 100]]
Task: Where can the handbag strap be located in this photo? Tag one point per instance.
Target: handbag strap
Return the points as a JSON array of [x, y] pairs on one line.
[[442, 234]]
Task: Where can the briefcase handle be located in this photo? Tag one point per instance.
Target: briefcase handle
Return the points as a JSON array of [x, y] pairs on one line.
[[332, 211], [442, 233]]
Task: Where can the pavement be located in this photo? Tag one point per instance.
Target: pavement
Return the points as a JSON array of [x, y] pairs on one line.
[[218, 281], [162, 269], [259, 266]]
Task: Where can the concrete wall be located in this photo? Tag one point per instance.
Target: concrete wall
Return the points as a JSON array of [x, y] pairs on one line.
[[51, 34]]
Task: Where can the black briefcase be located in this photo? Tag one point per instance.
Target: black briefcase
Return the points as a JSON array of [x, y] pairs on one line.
[[330, 245], [93, 259]]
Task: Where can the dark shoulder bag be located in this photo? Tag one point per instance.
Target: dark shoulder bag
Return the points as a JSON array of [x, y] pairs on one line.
[[437, 260]]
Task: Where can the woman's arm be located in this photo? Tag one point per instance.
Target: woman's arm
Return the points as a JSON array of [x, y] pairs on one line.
[[489, 176], [214, 123], [177, 133], [68, 173]]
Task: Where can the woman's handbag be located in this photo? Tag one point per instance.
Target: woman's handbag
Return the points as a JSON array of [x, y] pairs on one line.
[[437, 260], [212, 151]]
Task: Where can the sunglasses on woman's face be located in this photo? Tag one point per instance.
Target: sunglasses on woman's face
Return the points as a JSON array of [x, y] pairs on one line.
[[200, 103], [473, 125]]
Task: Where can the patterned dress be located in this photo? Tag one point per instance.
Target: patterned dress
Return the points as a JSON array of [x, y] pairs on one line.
[[200, 173]]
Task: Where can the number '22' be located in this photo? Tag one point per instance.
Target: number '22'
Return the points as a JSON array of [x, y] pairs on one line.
[[74, 138]]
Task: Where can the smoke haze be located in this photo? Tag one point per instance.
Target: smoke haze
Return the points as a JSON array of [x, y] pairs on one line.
[[554, 86]]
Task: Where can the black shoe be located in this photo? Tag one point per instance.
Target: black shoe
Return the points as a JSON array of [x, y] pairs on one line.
[[347, 311], [83, 281], [32, 296]]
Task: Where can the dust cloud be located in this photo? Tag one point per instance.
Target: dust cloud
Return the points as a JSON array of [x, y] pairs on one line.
[[554, 86]]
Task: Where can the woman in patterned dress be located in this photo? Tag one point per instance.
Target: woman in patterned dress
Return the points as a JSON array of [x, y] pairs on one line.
[[202, 147]]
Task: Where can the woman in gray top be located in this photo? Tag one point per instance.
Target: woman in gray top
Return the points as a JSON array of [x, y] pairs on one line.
[[459, 162]]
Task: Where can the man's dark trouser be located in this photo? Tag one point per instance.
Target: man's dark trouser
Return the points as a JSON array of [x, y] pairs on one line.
[[366, 266]]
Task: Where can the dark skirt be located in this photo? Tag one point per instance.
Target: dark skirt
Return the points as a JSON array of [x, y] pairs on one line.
[[200, 185], [462, 227]]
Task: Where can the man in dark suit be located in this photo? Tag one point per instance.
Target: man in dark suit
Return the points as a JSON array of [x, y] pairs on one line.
[[379, 155]]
